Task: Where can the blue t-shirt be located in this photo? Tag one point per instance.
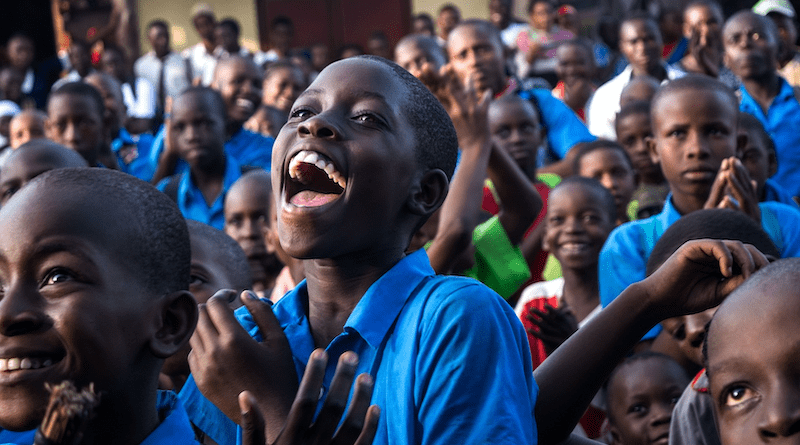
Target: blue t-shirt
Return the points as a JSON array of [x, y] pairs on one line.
[[137, 161], [781, 122], [449, 357], [774, 192], [623, 258], [248, 148], [192, 203], [175, 429], [564, 128]]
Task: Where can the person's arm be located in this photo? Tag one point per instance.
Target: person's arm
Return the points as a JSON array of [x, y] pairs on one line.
[[461, 209], [168, 158], [520, 203], [698, 276], [563, 167]]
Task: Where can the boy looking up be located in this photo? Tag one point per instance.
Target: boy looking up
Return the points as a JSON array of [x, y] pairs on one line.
[[476, 55], [694, 138], [197, 131], [640, 43], [363, 161], [95, 270], [750, 52], [76, 118]]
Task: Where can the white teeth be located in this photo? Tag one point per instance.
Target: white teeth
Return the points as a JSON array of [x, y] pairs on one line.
[[318, 160], [15, 363], [244, 103]]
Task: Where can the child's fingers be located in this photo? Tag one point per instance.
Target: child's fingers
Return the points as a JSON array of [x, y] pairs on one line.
[[741, 257], [356, 412], [305, 402], [221, 314], [336, 400], [206, 331], [252, 422], [263, 316], [717, 190], [370, 426]]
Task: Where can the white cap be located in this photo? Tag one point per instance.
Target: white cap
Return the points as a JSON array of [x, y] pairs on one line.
[[8, 108], [764, 7], [202, 9]]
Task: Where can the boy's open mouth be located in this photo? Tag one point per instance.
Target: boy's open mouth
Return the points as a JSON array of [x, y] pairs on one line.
[[21, 363], [314, 180]]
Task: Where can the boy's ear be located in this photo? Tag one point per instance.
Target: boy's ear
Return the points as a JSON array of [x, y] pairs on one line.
[[178, 318], [615, 439], [651, 148], [429, 193]]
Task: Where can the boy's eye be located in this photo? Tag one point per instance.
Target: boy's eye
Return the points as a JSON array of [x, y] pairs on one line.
[[737, 394], [638, 409], [676, 133], [56, 276], [679, 333], [368, 118], [197, 280], [300, 113]]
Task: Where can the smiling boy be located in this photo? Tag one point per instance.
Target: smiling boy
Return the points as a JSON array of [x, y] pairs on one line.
[[94, 266], [363, 161]]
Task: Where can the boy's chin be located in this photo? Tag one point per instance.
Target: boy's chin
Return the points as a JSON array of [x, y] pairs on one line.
[[22, 415]]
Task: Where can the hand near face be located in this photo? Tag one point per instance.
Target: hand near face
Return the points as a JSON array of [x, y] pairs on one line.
[[225, 360], [700, 275], [555, 325], [706, 48], [359, 426], [733, 189], [467, 108]]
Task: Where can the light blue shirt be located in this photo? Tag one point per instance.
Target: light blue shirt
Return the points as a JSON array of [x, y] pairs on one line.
[[623, 258], [564, 128], [449, 357], [774, 192], [781, 122], [192, 203]]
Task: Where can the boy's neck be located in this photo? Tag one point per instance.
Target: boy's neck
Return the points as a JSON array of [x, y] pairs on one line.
[[688, 204], [763, 90], [210, 181], [658, 72], [581, 290], [124, 422], [233, 127], [335, 286]]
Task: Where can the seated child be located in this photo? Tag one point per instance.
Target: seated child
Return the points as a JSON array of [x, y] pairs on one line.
[[414, 51], [575, 70], [27, 125], [76, 118], [752, 366], [639, 89], [217, 263], [31, 160], [633, 130], [247, 212], [197, 130], [760, 160], [390, 148], [607, 162], [696, 163], [682, 337], [640, 395], [94, 293]]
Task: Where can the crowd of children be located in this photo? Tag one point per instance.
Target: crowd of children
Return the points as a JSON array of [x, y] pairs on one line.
[[515, 232]]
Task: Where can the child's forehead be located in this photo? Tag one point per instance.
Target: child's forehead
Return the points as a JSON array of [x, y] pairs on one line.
[[636, 28], [359, 78], [683, 100], [512, 106]]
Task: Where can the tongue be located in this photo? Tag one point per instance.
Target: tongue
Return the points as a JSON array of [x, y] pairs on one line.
[[308, 198]]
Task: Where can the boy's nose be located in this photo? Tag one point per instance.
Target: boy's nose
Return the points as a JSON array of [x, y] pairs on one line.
[[319, 126], [697, 147], [660, 413], [781, 412]]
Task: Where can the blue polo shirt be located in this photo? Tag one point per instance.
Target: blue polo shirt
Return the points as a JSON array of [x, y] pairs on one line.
[[174, 429], [564, 128], [138, 161], [623, 258], [450, 359], [192, 203], [248, 148], [781, 122], [774, 192]]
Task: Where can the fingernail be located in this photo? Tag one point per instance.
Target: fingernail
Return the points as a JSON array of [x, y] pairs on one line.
[[350, 358], [252, 295]]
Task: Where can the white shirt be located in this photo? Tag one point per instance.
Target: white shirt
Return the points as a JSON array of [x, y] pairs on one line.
[[142, 104], [199, 59], [176, 76], [602, 109]]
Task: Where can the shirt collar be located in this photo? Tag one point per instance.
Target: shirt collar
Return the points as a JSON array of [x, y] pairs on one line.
[[670, 213], [232, 172], [175, 427]]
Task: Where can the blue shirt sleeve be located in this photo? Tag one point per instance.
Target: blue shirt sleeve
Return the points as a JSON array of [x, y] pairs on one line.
[[564, 128], [205, 415], [786, 235]]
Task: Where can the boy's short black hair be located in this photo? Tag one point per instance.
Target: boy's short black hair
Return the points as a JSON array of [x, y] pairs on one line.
[[436, 140], [449, 7], [157, 236], [725, 224], [641, 356], [711, 4], [532, 4], [231, 24], [632, 108], [81, 89], [230, 255], [281, 20], [606, 198], [697, 82], [485, 27], [751, 123], [429, 44], [217, 103], [273, 67], [598, 144], [158, 23]]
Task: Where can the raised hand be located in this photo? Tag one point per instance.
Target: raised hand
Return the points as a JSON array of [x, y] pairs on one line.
[[733, 189], [555, 326]]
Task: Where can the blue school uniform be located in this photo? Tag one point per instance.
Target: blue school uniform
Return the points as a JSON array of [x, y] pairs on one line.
[[624, 255], [781, 122], [174, 428], [774, 192], [137, 163], [248, 148], [444, 371], [192, 203]]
